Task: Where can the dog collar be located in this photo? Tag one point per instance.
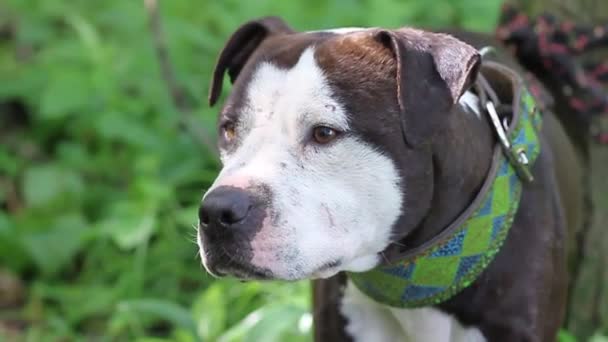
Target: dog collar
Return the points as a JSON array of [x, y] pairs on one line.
[[452, 260]]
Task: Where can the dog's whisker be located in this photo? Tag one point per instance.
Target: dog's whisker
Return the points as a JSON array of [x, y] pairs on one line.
[[384, 257], [193, 238], [397, 243]]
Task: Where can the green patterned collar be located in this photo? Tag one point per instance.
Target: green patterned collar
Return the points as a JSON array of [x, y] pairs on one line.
[[439, 269]]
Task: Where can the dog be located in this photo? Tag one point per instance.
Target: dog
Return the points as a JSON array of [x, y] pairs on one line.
[[351, 154]]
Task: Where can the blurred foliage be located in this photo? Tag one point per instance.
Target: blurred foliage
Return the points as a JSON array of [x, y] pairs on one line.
[[99, 186]]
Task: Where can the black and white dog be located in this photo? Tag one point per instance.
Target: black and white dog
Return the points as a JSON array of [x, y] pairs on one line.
[[340, 146]]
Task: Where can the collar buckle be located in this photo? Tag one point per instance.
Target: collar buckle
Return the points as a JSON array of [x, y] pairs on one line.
[[518, 158]]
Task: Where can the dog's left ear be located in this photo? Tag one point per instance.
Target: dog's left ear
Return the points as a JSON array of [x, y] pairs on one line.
[[240, 47], [433, 71]]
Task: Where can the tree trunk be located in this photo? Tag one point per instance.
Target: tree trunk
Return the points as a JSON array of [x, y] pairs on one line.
[[588, 311]]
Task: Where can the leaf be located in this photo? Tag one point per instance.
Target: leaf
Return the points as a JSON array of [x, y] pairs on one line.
[[565, 336], [5, 224], [45, 183], [238, 331], [9, 164], [12, 253], [187, 216], [161, 309], [77, 301], [478, 22], [67, 93], [267, 324], [130, 223], [598, 338], [153, 339], [181, 335], [276, 322], [88, 35], [209, 312], [123, 127], [53, 248]]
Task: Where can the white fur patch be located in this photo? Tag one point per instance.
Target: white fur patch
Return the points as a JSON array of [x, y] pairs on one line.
[[371, 321], [366, 320], [470, 102], [331, 203]]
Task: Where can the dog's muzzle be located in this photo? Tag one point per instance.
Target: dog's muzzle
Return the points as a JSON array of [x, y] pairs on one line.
[[229, 218]]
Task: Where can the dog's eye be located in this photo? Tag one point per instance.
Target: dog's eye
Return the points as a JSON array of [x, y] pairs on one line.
[[324, 134], [228, 130]]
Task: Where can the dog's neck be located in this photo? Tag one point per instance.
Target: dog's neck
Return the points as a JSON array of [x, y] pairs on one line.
[[461, 160]]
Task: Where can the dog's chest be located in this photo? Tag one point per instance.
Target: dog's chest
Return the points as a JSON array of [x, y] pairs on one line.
[[370, 321]]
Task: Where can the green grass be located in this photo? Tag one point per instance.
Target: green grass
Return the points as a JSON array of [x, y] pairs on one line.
[[99, 186]]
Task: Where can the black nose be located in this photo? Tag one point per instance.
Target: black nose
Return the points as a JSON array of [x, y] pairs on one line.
[[224, 206]]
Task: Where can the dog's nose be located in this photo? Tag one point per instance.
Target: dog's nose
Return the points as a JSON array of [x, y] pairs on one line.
[[224, 206]]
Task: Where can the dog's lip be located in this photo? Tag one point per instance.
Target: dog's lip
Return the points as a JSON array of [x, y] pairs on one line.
[[212, 272], [243, 271], [328, 265]]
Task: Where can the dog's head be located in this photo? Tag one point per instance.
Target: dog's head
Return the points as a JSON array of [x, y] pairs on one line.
[[324, 144]]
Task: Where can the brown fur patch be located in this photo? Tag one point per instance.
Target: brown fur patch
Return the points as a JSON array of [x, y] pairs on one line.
[[359, 61]]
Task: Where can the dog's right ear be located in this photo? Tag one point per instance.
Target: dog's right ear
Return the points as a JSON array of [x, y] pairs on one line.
[[433, 71], [241, 45]]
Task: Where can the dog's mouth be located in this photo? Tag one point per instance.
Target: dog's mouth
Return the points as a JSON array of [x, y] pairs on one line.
[[242, 271], [326, 270], [245, 271], [329, 265]]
